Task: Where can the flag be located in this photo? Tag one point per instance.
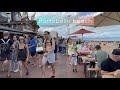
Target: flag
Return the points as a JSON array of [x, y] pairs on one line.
[[33, 16]]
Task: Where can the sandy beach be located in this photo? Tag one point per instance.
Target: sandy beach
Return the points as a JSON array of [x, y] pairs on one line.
[[108, 47]]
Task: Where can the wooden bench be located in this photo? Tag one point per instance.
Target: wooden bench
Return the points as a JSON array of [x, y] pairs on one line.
[[85, 67], [91, 70]]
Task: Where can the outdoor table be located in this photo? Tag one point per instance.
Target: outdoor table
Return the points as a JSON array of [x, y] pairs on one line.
[[85, 52], [108, 76], [86, 61]]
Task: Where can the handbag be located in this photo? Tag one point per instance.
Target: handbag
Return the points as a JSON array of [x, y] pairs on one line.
[[39, 49]]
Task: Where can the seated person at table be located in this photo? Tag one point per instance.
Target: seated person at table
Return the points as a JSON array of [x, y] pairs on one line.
[[100, 56], [91, 46], [92, 57], [84, 49], [111, 66]]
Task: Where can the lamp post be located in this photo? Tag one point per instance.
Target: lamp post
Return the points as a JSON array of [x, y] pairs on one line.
[[68, 26]]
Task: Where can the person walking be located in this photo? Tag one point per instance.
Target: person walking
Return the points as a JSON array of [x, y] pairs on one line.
[[49, 55], [70, 49], [32, 47], [5, 46], [14, 61], [22, 56]]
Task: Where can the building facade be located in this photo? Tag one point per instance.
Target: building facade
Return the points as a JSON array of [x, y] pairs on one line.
[[17, 20]]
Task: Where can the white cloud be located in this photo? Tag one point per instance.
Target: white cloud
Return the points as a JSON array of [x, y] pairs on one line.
[[53, 13], [107, 31], [94, 14]]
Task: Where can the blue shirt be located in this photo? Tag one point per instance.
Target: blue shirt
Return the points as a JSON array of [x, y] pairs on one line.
[[33, 42]]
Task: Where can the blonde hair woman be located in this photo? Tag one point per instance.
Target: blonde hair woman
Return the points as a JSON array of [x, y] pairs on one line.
[[70, 50], [23, 55]]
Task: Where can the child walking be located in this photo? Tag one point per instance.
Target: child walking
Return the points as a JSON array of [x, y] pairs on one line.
[[74, 59]]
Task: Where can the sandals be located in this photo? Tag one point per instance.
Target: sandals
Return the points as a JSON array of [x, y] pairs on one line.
[[52, 77], [76, 70], [73, 70], [8, 76], [27, 73]]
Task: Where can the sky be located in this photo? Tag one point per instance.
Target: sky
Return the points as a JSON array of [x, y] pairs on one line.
[[106, 31]]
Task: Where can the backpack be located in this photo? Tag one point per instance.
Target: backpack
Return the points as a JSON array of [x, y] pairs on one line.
[[51, 44], [5, 47]]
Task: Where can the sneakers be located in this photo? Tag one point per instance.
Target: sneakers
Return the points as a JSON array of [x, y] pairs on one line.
[[49, 66], [16, 70], [27, 73]]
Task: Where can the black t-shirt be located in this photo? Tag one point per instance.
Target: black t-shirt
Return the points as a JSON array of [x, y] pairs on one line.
[[10, 42], [110, 65]]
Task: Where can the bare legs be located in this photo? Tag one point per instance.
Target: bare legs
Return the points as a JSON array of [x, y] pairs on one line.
[[20, 68], [8, 66], [21, 63], [43, 68], [53, 68], [40, 59], [74, 68], [69, 58], [33, 58]]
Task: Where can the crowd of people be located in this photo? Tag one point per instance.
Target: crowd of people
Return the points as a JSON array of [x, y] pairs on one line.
[[16, 52]]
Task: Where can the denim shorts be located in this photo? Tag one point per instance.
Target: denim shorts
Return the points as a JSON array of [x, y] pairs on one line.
[[33, 53], [5, 57]]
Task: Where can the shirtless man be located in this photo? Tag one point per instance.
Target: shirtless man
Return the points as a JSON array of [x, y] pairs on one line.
[[49, 55]]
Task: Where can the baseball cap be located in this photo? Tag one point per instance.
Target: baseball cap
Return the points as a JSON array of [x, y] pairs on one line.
[[116, 52]]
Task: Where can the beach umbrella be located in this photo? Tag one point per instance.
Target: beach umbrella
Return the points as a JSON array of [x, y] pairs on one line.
[[107, 19], [82, 31], [72, 36]]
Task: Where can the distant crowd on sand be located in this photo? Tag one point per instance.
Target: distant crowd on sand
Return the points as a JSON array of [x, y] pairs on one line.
[[16, 52]]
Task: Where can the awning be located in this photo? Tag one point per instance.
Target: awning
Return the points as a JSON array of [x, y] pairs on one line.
[[10, 32], [15, 31]]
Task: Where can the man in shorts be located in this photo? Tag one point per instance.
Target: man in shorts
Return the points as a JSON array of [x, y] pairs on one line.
[[49, 55], [5, 45]]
